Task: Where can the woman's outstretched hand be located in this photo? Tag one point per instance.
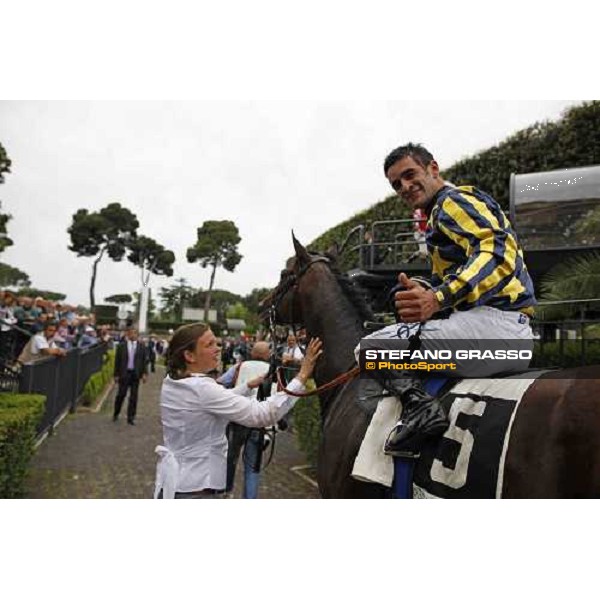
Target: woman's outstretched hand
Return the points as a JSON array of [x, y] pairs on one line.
[[313, 352]]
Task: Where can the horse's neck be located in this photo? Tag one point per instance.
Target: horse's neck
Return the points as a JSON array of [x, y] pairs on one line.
[[339, 327]]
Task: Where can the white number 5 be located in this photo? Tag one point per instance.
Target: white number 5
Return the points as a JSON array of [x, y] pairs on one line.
[[457, 477]]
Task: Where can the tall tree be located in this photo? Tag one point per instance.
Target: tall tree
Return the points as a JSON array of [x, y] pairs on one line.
[[215, 247], [174, 297], [45, 294], [5, 241], [237, 311], [150, 257], [108, 231], [253, 303], [220, 300], [11, 276], [255, 297], [119, 299], [151, 304], [5, 163]]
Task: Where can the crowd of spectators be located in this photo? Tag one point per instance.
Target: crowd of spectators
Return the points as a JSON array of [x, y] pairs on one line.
[[31, 328], [22, 317], [63, 327], [288, 349]]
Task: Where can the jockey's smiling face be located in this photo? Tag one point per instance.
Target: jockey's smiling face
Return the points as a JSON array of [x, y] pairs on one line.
[[413, 182]]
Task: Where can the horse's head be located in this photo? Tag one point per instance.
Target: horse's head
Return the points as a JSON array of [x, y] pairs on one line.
[[284, 302]]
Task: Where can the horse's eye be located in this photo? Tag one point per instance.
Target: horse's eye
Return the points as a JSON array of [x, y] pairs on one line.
[[284, 273]]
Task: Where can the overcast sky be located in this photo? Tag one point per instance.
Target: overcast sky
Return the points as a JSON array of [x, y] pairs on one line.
[[269, 167]]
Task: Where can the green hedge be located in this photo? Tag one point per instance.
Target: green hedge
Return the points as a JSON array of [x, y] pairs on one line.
[[307, 423], [20, 415], [96, 384], [571, 355], [389, 208], [571, 141]]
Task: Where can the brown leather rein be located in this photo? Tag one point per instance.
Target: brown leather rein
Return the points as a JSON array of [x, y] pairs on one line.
[[351, 374], [292, 283]]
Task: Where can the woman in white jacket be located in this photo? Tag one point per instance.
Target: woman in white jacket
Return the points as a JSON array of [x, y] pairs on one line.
[[195, 411]]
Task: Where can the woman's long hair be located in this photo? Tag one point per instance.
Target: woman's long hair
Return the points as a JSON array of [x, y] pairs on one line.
[[185, 338]]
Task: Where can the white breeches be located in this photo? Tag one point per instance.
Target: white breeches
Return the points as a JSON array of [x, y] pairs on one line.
[[480, 323]]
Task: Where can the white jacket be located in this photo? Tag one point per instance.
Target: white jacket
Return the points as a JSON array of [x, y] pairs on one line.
[[195, 412]]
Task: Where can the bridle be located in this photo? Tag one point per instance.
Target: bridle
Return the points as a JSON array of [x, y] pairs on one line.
[[291, 282]]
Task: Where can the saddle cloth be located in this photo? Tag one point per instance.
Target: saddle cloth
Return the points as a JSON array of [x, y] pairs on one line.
[[468, 460]]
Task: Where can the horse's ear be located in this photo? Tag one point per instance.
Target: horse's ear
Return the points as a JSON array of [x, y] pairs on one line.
[[301, 253], [333, 251]]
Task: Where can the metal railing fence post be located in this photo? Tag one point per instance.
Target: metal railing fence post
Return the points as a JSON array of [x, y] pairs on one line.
[[73, 360], [77, 375]]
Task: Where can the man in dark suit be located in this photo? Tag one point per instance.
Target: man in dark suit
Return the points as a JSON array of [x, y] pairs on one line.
[[151, 347], [131, 365]]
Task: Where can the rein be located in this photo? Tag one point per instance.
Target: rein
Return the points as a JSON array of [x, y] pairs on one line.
[[351, 374]]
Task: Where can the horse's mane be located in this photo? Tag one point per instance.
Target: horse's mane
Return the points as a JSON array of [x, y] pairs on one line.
[[351, 289]]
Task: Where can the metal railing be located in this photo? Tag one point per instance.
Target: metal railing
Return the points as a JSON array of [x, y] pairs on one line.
[[61, 380], [392, 242], [567, 340]]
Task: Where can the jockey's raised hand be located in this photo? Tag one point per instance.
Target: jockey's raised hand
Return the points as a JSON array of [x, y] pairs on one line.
[[414, 304]]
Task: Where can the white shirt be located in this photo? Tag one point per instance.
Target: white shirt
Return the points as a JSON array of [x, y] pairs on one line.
[[39, 343], [195, 412], [250, 369], [7, 317], [33, 348], [131, 348], [294, 353]]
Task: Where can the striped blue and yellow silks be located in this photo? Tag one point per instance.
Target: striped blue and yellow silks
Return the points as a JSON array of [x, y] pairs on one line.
[[476, 258]]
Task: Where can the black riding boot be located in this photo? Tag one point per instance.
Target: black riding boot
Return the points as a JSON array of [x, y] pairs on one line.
[[423, 418]]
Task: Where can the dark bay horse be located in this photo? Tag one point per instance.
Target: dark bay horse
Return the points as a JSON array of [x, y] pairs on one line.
[[554, 444]]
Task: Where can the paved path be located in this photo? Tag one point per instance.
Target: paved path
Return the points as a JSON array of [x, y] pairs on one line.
[[89, 456]]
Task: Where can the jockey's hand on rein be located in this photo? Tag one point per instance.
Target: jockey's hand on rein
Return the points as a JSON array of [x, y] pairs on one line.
[[414, 304]]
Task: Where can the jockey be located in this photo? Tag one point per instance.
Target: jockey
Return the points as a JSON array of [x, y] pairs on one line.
[[478, 275]]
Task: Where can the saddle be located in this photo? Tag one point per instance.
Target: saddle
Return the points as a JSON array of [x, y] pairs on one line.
[[371, 391], [469, 462]]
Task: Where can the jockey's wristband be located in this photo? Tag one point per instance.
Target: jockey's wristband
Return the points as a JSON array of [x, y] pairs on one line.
[[443, 296]]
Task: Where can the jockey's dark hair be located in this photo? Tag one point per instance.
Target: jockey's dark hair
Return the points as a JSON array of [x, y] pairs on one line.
[[419, 153], [185, 338]]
